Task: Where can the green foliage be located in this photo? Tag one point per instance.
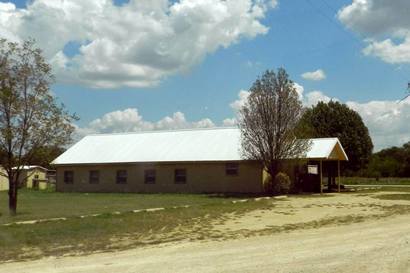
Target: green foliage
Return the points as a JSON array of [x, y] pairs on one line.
[[43, 156], [391, 181], [30, 116], [391, 162], [282, 183], [334, 119]]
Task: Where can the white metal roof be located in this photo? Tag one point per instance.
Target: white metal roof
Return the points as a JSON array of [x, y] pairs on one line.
[[217, 144], [31, 167]]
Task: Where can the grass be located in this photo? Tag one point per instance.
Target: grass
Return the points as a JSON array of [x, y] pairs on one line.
[[378, 189], [44, 204], [109, 232], [404, 196], [374, 181]]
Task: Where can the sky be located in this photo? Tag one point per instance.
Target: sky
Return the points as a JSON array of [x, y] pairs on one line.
[[157, 64]]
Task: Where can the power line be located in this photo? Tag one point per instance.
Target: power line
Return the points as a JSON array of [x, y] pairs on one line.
[[349, 34], [408, 93], [332, 21]]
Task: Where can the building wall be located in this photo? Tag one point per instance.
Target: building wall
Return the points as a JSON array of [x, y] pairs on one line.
[[4, 182], [31, 175], [201, 177]]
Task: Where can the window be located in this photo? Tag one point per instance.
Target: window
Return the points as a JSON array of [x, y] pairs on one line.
[[121, 177], [36, 176], [232, 169], [180, 176], [94, 177], [68, 177], [149, 176]]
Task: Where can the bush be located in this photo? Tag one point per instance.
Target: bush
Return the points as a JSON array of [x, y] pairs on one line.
[[268, 185], [281, 184]]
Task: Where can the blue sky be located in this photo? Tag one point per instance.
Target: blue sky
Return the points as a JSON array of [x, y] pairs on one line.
[[300, 39], [302, 36]]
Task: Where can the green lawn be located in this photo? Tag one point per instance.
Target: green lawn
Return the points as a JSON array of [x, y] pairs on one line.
[[374, 181], [403, 196], [108, 231], [45, 204]]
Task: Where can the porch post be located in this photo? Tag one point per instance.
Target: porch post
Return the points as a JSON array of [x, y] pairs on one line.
[[321, 177], [338, 175]]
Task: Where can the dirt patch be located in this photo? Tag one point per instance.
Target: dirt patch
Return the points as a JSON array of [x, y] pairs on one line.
[[374, 246], [297, 211], [283, 219]]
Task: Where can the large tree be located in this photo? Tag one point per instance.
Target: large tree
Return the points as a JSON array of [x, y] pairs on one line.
[[30, 117], [43, 156], [268, 121], [334, 119], [391, 162]]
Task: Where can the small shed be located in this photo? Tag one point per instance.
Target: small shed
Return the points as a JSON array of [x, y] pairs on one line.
[[4, 182], [33, 177], [323, 159]]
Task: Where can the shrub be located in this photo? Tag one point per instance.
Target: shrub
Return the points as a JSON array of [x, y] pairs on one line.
[[281, 184], [268, 185]]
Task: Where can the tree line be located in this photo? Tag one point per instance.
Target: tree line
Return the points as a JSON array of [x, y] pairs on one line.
[[390, 162]]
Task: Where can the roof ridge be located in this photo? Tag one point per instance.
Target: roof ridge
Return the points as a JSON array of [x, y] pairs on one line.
[[163, 131], [324, 138]]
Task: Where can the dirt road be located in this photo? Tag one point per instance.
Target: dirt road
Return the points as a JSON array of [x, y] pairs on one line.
[[374, 246]]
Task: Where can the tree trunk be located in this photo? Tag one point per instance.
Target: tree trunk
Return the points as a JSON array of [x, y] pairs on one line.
[[12, 198], [273, 171]]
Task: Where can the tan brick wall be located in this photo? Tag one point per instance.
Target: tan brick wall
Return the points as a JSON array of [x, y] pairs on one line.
[[201, 177], [4, 182], [31, 175]]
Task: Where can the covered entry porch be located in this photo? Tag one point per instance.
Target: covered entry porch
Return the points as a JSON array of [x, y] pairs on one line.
[[323, 170]]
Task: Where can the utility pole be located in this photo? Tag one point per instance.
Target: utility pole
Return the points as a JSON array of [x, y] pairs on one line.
[[408, 92]]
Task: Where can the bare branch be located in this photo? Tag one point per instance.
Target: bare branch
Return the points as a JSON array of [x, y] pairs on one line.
[[269, 119]]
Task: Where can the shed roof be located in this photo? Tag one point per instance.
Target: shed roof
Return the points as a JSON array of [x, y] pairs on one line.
[[30, 167], [216, 144]]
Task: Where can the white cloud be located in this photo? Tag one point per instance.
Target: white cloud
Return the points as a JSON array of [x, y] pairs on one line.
[[376, 19], [299, 89], [314, 97], [388, 121], [129, 120], [240, 102], [229, 122], [136, 44], [317, 75], [390, 52]]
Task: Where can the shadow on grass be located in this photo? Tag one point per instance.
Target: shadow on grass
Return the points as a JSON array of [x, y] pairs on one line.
[[404, 196], [237, 195]]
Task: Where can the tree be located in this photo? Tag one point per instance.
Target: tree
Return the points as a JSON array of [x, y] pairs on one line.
[[29, 115], [43, 156], [390, 162], [334, 119], [269, 119]]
